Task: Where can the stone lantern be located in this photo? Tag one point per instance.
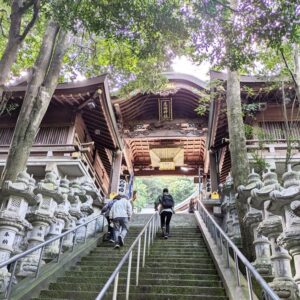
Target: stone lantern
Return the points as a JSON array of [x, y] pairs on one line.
[[259, 199], [61, 218], [74, 196], [41, 217], [16, 197], [229, 205], [87, 209], [280, 202], [253, 216]]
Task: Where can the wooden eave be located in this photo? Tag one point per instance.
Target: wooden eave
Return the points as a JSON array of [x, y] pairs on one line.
[[74, 95], [218, 124]]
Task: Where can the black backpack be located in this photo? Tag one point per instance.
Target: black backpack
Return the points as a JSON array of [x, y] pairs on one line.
[[167, 201]]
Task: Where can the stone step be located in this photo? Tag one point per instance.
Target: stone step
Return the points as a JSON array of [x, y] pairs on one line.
[[149, 264], [160, 289], [152, 296], [207, 270], [150, 259], [142, 281], [149, 296], [145, 275]]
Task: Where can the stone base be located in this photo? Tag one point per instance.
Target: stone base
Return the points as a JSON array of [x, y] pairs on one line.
[[264, 269], [27, 266], [285, 289], [4, 281]]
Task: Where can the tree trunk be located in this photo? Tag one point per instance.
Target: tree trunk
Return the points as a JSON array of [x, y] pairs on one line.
[[37, 98], [237, 146], [297, 70], [15, 39], [239, 159]]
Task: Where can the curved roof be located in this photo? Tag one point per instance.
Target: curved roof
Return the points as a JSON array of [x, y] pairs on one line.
[[174, 76]]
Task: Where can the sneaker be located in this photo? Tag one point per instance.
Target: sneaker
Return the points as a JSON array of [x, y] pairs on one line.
[[120, 240], [163, 232], [166, 236], [117, 246], [111, 240]]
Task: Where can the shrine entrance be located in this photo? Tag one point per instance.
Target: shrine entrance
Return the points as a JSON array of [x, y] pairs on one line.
[[163, 134]]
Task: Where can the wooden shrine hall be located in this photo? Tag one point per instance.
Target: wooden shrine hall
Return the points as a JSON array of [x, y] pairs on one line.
[[163, 135]]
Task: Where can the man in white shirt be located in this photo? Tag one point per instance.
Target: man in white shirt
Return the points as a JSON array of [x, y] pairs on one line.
[[120, 214]]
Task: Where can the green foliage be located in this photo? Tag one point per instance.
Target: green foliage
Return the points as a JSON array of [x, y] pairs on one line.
[[214, 90], [149, 188], [259, 163], [250, 109], [248, 131]]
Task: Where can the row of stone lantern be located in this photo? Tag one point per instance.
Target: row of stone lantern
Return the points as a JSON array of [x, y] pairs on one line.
[[32, 213], [273, 219]]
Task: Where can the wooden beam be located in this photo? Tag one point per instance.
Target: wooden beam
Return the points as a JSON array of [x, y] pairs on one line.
[[165, 134], [176, 172]]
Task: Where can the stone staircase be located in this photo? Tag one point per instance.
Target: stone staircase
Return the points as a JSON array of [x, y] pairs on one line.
[[177, 268]]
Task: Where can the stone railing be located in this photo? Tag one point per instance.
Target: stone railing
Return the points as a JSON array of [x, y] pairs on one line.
[[32, 213]]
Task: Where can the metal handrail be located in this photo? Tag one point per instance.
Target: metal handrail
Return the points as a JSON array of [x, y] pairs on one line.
[[220, 237], [13, 260], [149, 230]]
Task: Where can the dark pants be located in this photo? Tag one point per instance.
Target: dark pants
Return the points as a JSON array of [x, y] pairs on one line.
[[165, 218], [110, 229]]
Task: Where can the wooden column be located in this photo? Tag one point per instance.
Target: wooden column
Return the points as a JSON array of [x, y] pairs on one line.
[[116, 171], [213, 171]]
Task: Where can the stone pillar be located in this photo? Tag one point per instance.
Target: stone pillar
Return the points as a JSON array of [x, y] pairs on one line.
[[15, 200], [261, 244], [244, 195], [229, 205], [258, 199], [61, 218], [76, 193], [87, 209], [116, 172], [280, 202]]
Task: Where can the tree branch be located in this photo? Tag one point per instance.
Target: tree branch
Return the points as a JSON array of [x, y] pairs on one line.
[[26, 6], [36, 9], [287, 66]]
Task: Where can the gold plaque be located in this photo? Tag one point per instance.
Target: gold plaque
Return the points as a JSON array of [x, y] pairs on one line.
[[165, 109]]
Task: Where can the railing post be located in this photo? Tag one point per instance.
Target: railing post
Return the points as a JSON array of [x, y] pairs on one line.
[[60, 248], [116, 287], [152, 226], [227, 255], [95, 228], [74, 240], [237, 271], [249, 283], [8, 291], [85, 233], [145, 245], [149, 238], [128, 276], [39, 263], [138, 262]]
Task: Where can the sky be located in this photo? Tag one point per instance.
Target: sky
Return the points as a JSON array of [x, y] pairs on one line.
[[183, 65], [180, 64]]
